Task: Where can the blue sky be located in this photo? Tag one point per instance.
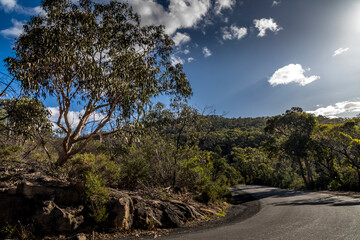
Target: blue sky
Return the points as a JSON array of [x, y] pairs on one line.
[[250, 57]]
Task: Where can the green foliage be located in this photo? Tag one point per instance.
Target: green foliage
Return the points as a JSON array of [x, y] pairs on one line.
[[10, 153], [17, 231], [214, 191], [135, 172], [8, 231], [334, 185], [100, 165], [291, 134], [97, 195], [93, 173], [24, 116]]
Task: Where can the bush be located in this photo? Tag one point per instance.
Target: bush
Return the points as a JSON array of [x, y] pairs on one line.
[[92, 173], [334, 185], [100, 165], [135, 171], [97, 195], [214, 191], [10, 153]]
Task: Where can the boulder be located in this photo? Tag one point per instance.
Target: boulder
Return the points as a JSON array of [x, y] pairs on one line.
[[14, 208], [53, 219], [121, 213], [146, 217], [50, 190]]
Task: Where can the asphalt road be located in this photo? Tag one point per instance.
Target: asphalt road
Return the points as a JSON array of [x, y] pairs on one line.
[[288, 215]]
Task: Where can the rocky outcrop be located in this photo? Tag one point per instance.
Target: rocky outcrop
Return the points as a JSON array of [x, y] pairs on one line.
[[53, 219], [62, 194], [135, 212], [57, 208]]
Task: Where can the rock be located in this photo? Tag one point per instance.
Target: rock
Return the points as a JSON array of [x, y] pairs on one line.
[[14, 208], [50, 190], [146, 215], [189, 211], [53, 219], [122, 213], [80, 236], [173, 216]]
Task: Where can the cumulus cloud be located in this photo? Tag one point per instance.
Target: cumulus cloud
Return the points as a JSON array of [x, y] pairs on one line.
[[206, 52], [13, 6], [176, 60], [73, 116], [340, 51], [291, 73], [8, 5], [265, 24], [233, 32], [223, 4], [179, 14], [190, 59], [181, 38], [15, 31], [275, 3], [337, 109]]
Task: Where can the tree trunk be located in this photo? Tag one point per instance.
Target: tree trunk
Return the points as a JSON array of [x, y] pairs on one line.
[[302, 173], [63, 158], [309, 171]]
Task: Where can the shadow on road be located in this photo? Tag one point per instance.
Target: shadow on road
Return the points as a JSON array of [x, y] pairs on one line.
[[324, 199], [330, 201], [266, 193]]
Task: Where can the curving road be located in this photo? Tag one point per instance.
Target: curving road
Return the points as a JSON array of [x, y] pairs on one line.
[[288, 215]]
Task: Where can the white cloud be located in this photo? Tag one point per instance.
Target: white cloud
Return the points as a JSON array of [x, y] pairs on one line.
[[226, 34], [186, 51], [337, 109], [73, 116], [223, 4], [190, 59], [234, 32], [15, 31], [176, 60], [340, 51], [181, 38], [180, 13], [8, 5], [265, 24], [291, 73], [275, 3], [206, 52], [12, 5]]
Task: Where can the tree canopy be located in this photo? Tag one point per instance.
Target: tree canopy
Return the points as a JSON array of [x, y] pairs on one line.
[[98, 57]]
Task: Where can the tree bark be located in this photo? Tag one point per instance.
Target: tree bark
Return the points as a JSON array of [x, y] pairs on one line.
[[309, 171], [303, 173]]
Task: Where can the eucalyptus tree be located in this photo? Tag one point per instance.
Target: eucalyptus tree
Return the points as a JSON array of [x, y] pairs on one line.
[[343, 140], [291, 134], [97, 56]]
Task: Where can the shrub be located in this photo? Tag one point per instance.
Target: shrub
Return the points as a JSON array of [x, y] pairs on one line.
[[97, 195], [334, 185], [101, 165]]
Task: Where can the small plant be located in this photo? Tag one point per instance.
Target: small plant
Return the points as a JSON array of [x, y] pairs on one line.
[[8, 231], [98, 196], [334, 185], [221, 213]]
